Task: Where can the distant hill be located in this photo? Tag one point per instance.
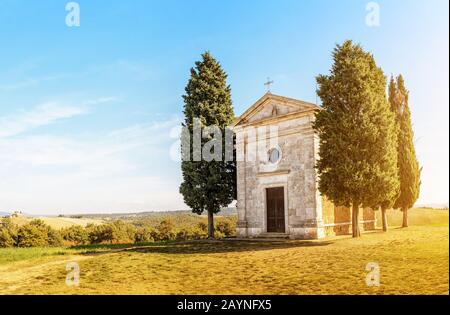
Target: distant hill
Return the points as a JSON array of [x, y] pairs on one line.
[[57, 222], [139, 215], [433, 205], [2, 213]]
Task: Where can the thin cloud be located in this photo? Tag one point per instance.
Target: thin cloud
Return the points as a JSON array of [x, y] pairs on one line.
[[110, 171], [134, 69], [27, 82], [43, 115]]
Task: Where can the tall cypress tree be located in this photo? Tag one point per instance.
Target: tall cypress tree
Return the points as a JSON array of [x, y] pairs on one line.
[[408, 166], [358, 156], [208, 185], [389, 203]]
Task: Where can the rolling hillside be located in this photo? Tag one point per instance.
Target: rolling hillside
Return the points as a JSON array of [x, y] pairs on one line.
[[57, 222], [411, 261]]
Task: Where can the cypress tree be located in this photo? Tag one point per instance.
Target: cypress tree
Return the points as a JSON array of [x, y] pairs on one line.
[[389, 203], [358, 157], [408, 166], [208, 185]]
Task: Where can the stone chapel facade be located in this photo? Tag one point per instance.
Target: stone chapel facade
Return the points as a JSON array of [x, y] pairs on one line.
[[277, 186]]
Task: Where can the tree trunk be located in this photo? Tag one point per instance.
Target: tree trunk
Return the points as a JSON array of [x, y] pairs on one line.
[[405, 218], [384, 219], [210, 224], [355, 220]]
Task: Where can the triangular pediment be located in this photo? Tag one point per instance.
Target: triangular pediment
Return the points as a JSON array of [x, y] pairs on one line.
[[271, 106]]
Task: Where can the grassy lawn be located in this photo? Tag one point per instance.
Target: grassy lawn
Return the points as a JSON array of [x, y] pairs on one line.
[[11, 255], [412, 261]]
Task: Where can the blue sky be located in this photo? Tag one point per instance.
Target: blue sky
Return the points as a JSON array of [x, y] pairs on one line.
[[88, 114]]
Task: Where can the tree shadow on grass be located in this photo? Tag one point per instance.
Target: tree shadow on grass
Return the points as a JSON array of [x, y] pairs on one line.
[[98, 249], [199, 247], [214, 247]]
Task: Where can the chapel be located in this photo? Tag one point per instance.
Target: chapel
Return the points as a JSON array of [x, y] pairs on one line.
[[277, 188]]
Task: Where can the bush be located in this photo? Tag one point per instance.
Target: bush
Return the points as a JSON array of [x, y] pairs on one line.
[[203, 226], [218, 234], [225, 228], [144, 235], [38, 234], [31, 236], [183, 234], [166, 231], [76, 235], [54, 238], [122, 232], [116, 232], [8, 233], [6, 240], [99, 233], [198, 233]]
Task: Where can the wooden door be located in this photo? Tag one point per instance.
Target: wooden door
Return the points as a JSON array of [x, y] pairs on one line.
[[275, 210]]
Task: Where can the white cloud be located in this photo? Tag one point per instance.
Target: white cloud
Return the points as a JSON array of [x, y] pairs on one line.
[[41, 115], [44, 114], [27, 82], [109, 172], [137, 70]]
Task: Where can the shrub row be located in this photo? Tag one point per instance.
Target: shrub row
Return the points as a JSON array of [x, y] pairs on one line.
[[33, 234], [38, 234]]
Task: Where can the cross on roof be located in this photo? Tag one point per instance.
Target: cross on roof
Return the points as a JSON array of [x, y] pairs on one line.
[[268, 84]]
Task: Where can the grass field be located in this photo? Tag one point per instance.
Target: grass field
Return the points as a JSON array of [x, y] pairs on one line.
[[412, 261]]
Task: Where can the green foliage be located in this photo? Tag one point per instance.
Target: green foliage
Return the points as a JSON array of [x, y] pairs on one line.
[[165, 226], [158, 229], [178, 219], [8, 233], [208, 186], [358, 158], [122, 232], [33, 234], [166, 231], [408, 166], [76, 235], [226, 227], [144, 235], [37, 232], [197, 233], [15, 254], [100, 233], [6, 239], [54, 237], [203, 226], [185, 233]]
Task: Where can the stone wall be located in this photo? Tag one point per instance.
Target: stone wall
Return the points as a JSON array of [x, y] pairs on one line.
[[295, 172], [307, 214], [338, 220]]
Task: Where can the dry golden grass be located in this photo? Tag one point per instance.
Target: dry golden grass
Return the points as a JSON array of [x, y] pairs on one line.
[[412, 261], [59, 222], [417, 217]]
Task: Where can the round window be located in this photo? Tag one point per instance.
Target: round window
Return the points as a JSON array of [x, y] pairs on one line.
[[274, 155]]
